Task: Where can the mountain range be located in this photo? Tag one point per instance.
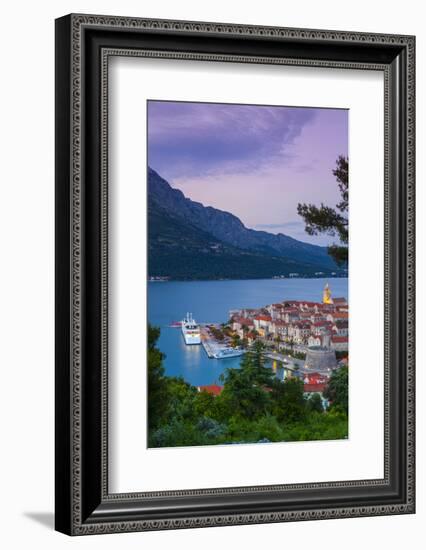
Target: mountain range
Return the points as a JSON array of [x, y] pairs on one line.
[[187, 241]]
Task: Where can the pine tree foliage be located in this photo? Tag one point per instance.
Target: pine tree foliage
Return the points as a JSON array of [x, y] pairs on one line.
[[331, 221]]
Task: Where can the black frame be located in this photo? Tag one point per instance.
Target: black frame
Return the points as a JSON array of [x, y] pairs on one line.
[[83, 45]]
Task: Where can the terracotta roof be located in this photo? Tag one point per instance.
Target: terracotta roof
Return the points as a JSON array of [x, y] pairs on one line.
[[302, 324], [340, 315], [214, 389], [262, 318], [243, 321], [339, 339], [303, 303], [313, 388]]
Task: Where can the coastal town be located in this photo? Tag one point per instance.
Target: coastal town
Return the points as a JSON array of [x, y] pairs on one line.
[[300, 323], [247, 300], [301, 338]]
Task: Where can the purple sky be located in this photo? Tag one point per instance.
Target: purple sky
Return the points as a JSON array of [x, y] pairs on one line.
[[257, 162]]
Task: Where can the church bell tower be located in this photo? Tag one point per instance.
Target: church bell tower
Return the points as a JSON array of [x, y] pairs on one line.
[[326, 295]]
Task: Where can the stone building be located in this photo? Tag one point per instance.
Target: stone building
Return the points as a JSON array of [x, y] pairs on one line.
[[320, 359]]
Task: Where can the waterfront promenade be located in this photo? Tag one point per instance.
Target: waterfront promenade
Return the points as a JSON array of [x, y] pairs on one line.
[[285, 361], [212, 347]]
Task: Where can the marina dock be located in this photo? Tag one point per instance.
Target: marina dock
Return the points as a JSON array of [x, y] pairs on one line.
[[215, 349], [207, 343]]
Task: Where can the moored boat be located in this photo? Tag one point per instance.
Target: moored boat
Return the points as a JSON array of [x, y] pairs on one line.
[[226, 353], [190, 330]]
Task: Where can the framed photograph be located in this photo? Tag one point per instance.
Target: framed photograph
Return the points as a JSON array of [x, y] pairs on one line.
[[234, 274]]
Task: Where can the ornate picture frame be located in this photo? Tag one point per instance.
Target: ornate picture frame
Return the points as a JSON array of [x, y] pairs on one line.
[[84, 44]]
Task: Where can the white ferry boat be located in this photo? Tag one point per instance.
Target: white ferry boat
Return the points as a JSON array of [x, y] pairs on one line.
[[190, 330], [226, 353]]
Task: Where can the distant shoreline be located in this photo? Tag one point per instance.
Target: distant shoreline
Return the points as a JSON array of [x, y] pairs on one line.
[[171, 280]]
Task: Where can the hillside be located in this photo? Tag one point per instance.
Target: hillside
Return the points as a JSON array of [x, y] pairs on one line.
[[182, 251], [190, 241]]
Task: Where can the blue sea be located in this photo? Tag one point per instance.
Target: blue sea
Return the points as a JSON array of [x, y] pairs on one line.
[[210, 302]]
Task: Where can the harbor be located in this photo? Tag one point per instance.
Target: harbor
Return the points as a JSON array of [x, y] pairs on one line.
[[210, 303], [215, 349], [206, 334], [218, 346], [298, 338]]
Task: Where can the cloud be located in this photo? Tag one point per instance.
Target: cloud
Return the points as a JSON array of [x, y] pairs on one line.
[[190, 139], [256, 162]]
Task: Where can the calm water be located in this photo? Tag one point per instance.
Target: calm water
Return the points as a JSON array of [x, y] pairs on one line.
[[210, 302]]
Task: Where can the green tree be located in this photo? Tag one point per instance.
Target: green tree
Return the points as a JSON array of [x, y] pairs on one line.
[[158, 390], [337, 390], [204, 404], [181, 399], [328, 220], [244, 391], [235, 340], [241, 395], [256, 360], [288, 400], [217, 333]]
